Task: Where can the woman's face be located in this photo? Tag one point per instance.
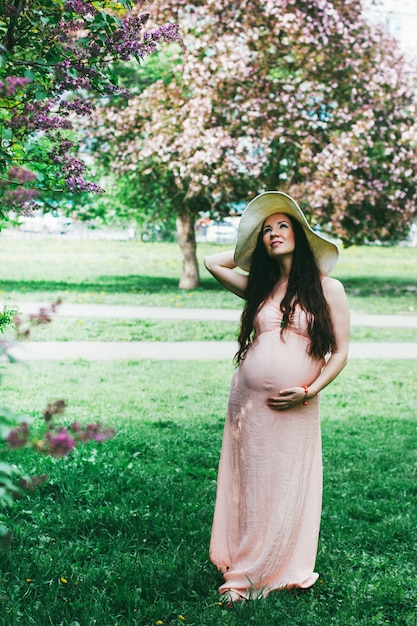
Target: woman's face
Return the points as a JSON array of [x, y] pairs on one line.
[[278, 235]]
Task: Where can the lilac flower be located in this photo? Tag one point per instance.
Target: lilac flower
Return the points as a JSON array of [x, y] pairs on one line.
[[80, 107], [54, 408], [65, 146], [40, 318], [94, 49], [81, 7], [60, 444], [13, 84], [26, 210], [37, 116], [20, 198], [17, 320], [125, 40], [98, 433], [77, 184], [74, 167], [115, 90], [19, 436], [167, 32], [73, 75], [21, 174], [95, 432]]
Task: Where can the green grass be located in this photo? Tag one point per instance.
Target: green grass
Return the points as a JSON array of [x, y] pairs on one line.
[[116, 329], [377, 279], [113, 329], [127, 523]]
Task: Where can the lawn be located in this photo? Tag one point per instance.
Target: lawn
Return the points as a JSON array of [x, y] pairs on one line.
[[377, 279], [119, 534], [116, 329]]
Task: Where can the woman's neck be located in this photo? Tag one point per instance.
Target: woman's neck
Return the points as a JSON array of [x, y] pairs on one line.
[[285, 265]]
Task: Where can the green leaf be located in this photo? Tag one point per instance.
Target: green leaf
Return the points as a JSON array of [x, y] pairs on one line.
[[40, 94], [6, 468], [30, 75], [7, 133], [4, 530], [6, 497]]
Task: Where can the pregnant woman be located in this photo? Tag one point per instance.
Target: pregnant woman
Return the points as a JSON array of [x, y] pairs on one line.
[[293, 342]]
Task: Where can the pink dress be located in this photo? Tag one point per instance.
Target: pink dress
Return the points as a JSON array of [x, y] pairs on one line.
[[269, 492]]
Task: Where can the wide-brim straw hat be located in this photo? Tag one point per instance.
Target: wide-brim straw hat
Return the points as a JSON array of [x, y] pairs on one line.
[[265, 204]]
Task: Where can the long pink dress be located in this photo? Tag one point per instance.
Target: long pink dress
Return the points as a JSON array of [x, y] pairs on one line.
[[269, 492]]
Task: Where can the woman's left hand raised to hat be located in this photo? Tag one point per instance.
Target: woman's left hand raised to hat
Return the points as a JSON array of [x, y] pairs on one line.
[[223, 267]]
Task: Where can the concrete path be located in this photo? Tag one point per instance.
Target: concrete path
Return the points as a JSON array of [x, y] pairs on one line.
[[176, 350], [186, 350]]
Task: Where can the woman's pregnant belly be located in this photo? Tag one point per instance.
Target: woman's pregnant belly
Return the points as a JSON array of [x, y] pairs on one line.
[[273, 363]]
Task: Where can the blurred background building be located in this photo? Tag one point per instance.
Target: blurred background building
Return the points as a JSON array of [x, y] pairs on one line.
[[399, 17]]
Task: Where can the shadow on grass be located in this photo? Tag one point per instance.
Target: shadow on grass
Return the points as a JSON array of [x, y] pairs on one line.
[[109, 284], [378, 286], [136, 283]]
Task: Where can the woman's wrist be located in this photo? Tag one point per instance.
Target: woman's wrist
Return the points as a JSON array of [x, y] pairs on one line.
[[305, 394]]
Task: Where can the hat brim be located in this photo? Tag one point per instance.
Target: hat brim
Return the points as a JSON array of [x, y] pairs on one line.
[[265, 204]]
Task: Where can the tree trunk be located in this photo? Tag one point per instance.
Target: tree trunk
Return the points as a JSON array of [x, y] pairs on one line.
[[190, 278]]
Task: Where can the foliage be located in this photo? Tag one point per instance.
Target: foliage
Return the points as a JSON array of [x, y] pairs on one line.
[[7, 316], [52, 56], [124, 202], [50, 438], [20, 431], [301, 95]]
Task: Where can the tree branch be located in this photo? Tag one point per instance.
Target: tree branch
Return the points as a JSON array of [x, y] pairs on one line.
[[9, 40]]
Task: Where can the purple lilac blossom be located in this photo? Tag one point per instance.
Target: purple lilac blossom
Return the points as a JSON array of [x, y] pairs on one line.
[[81, 107], [77, 184], [16, 198], [81, 7], [19, 436], [61, 443], [73, 167], [13, 84], [95, 432], [36, 116], [20, 174], [125, 41], [54, 408]]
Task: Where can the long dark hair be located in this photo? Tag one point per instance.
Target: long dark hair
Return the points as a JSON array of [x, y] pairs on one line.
[[304, 288]]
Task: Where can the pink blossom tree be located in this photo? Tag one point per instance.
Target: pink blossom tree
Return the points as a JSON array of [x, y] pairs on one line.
[[300, 95]]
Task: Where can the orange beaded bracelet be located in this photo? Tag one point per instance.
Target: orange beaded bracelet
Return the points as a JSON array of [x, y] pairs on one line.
[[306, 394]]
